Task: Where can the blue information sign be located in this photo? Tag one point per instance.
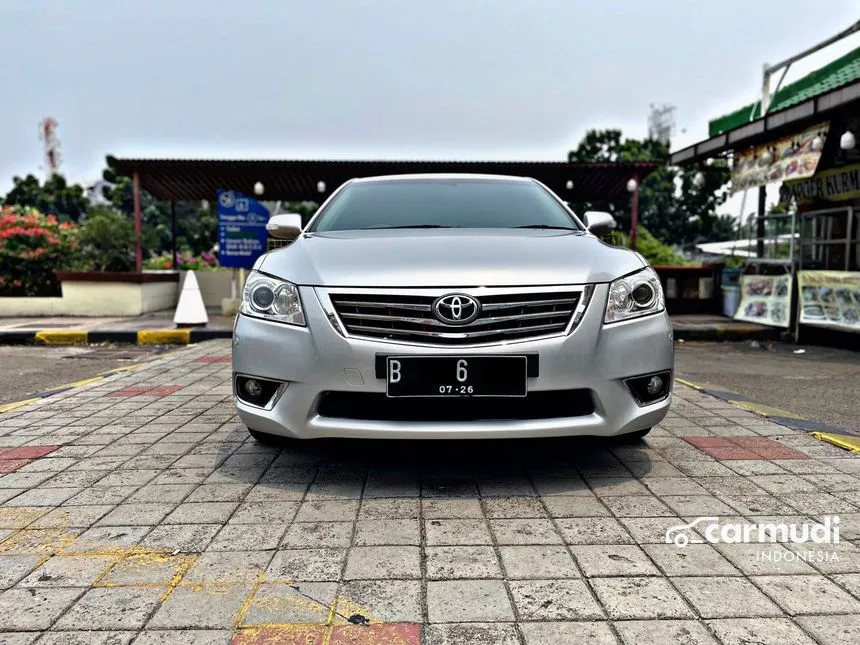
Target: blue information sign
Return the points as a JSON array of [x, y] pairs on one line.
[[242, 235]]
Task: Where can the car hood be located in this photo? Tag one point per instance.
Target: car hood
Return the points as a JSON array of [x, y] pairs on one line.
[[448, 258]]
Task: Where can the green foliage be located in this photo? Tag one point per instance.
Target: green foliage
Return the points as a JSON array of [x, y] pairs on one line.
[[196, 223], [107, 241], [186, 261], [656, 252], [32, 247], [54, 197], [671, 206]]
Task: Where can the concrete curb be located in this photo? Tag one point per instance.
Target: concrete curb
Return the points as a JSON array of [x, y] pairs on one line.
[[196, 335], [126, 337], [820, 431]]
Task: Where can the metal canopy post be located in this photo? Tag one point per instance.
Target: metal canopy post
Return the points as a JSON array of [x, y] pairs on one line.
[[138, 224]]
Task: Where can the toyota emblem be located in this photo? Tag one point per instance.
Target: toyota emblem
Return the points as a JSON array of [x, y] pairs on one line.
[[456, 309]]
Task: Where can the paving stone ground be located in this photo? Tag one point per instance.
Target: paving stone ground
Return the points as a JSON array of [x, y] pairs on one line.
[[138, 510]]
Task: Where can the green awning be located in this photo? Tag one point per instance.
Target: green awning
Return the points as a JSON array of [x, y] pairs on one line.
[[840, 72]]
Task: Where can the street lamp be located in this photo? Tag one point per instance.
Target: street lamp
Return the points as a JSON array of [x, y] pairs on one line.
[[258, 188], [633, 189]]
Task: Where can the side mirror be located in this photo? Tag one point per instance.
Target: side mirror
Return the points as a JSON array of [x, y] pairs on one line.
[[287, 226], [599, 222]]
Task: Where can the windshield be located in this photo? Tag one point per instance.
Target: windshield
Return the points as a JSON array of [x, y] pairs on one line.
[[460, 203]]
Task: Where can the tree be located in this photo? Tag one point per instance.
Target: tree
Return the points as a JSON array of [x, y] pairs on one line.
[[196, 223], [107, 240], [67, 202], [671, 206]]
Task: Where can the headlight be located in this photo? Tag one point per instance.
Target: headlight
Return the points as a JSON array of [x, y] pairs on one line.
[[272, 299], [636, 295]]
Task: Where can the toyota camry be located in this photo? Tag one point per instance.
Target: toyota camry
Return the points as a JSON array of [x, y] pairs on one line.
[[450, 306]]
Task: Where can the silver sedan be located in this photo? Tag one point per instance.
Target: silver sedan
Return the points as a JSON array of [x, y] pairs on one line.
[[450, 306]]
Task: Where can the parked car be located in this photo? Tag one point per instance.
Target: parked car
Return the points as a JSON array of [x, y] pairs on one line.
[[450, 306]]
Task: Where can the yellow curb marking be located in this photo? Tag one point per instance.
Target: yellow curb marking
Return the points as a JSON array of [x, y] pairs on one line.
[[851, 444], [163, 336], [765, 410], [61, 336], [8, 407]]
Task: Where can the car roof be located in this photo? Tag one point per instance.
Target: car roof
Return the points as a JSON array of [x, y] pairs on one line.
[[441, 176]]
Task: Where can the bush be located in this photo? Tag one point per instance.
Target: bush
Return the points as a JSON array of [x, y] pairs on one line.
[[107, 241], [652, 249], [32, 247], [186, 262]]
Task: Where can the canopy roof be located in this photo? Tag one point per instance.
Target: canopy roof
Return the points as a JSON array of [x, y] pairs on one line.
[[297, 180], [840, 72], [827, 93]]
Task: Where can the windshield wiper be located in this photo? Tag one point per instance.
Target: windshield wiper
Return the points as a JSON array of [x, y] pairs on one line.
[[548, 226], [374, 228]]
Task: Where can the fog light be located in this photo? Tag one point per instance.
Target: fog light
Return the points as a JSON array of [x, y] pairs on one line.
[[256, 391], [649, 388], [655, 385], [254, 388]]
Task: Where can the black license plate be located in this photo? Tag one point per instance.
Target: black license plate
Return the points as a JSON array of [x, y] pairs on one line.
[[456, 376]]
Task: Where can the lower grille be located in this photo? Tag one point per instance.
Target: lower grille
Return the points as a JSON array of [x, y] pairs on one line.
[[365, 406], [504, 316]]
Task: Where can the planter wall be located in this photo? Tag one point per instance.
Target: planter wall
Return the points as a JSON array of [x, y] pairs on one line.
[[117, 294]]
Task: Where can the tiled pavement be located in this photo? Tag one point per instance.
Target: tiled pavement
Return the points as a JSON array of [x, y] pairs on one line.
[[137, 510]]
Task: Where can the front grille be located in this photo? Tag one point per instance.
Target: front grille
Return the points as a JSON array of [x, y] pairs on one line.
[[367, 406], [504, 316]]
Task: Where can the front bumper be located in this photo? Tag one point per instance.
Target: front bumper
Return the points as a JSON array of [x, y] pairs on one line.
[[316, 359]]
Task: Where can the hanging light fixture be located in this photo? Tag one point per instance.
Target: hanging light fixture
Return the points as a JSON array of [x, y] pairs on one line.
[[699, 179], [818, 144], [767, 157], [320, 186], [847, 140], [569, 184], [258, 188], [632, 185]]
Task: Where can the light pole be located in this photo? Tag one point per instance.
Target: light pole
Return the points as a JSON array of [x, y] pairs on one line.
[[633, 189]]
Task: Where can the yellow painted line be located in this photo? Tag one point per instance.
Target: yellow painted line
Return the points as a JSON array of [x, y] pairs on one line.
[[688, 383], [8, 407], [848, 443], [764, 410], [61, 336], [163, 336]]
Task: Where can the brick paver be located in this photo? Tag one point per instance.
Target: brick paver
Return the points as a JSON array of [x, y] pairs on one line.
[[138, 510]]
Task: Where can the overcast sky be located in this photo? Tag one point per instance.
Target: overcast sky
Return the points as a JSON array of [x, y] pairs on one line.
[[428, 79]]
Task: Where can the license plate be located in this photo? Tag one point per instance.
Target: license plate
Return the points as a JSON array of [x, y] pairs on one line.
[[456, 376]]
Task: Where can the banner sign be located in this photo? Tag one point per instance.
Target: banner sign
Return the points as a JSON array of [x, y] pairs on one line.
[[830, 299], [835, 185], [242, 235], [792, 158], [765, 299]]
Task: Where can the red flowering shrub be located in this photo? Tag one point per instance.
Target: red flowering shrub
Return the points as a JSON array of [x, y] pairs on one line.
[[33, 247]]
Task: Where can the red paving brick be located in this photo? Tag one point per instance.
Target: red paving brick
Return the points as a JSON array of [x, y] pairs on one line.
[[752, 448], [281, 635], [164, 390], [27, 452], [11, 465], [377, 634]]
